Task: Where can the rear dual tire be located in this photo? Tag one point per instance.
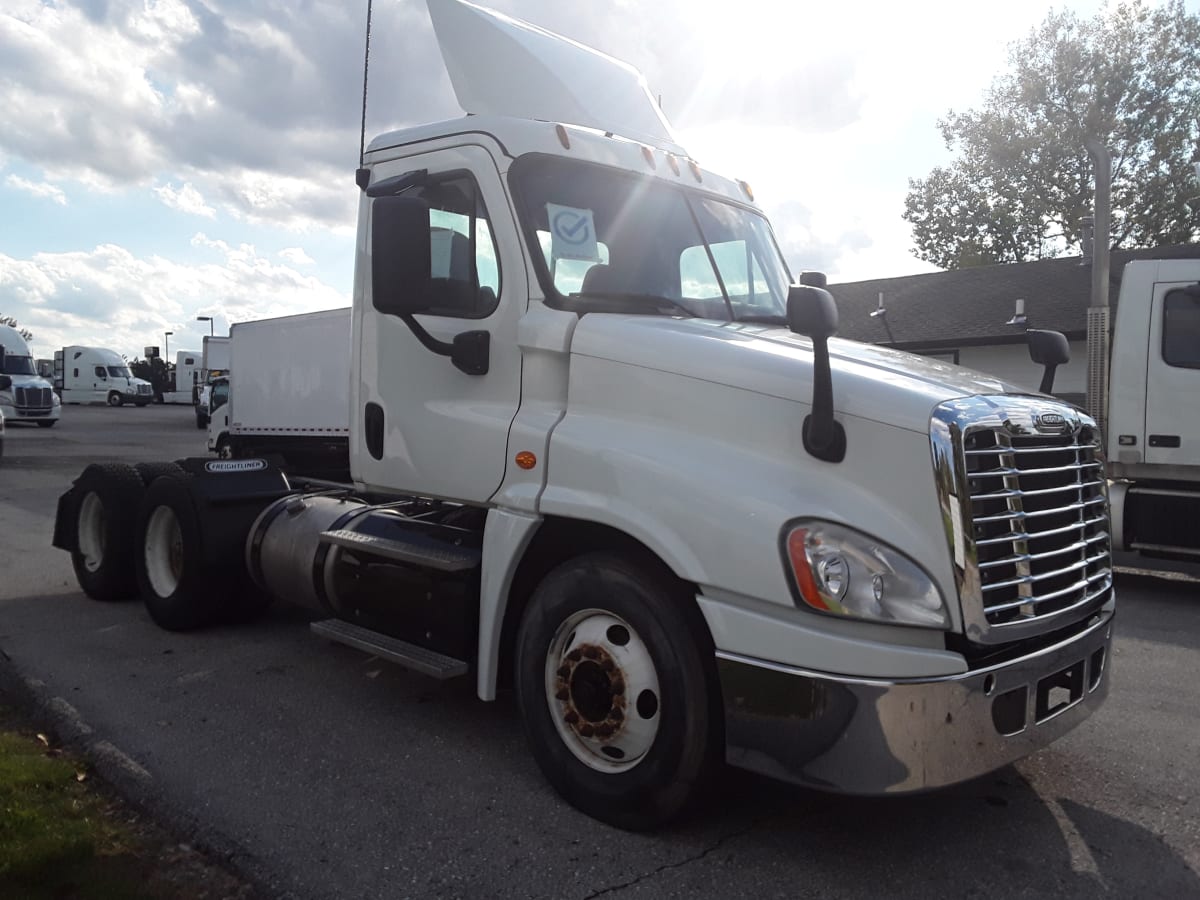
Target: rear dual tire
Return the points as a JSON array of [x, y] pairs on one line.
[[106, 530]]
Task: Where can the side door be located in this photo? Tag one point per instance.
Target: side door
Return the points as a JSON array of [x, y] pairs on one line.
[[1173, 376], [99, 383], [421, 425]]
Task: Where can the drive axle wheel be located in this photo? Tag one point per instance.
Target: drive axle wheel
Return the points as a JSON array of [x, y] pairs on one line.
[[617, 687], [179, 591], [105, 530]]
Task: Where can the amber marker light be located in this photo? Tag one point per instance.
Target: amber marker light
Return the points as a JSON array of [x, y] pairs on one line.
[[673, 163], [526, 460], [562, 137], [745, 186], [695, 167], [648, 154], [798, 556]]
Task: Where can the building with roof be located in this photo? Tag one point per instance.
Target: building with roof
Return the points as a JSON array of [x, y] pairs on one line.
[[970, 316]]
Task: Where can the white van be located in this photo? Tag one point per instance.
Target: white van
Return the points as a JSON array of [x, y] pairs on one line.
[[24, 395], [96, 375]]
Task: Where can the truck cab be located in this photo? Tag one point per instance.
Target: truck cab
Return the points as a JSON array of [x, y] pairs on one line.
[[606, 451], [25, 396], [99, 375], [1154, 409]]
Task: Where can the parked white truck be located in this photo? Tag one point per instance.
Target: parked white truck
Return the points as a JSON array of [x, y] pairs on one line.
[[606, 453], [291, 396], [184, 378], [1154, 410], [215, 364], [98, 375], [24, 395]]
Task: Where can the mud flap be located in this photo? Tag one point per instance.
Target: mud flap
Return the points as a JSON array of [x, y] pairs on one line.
[[66, 522]]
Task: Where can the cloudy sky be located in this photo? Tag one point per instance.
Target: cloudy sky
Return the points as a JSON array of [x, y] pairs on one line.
[[166, 159]]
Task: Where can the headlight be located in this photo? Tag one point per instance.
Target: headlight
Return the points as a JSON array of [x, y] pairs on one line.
[[843, 572], [55, 399]]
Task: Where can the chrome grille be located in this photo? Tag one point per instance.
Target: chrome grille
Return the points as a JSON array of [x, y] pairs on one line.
[[32, 397], [1029, 514]]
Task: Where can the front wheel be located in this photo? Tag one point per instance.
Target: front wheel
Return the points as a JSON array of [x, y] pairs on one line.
[[115, 399], [617, 689]]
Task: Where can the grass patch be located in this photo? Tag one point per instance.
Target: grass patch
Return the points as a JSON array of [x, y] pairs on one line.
[[63, 836]]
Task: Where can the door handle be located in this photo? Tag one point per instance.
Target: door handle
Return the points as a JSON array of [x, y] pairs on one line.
[[1164, 440]]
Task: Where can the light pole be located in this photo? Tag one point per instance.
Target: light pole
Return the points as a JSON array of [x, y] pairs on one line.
[[209, 320], [167, 345]]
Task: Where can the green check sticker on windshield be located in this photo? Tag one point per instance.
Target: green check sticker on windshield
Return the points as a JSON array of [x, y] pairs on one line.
[[572, 233]]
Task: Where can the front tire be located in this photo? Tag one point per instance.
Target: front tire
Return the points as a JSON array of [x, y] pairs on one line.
[[616, 684], [106, 530], [115, 399]]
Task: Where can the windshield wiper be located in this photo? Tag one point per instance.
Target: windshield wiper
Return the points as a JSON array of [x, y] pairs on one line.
[[637, 303]]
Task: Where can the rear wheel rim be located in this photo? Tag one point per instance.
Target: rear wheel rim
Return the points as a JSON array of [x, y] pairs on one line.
[[91, 531], [602, 689], [164, 551]]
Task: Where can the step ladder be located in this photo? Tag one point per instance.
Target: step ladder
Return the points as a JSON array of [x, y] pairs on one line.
[[419, 659], [430, 555]]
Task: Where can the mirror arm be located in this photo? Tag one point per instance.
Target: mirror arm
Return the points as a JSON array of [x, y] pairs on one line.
[[824, 436], [469, 351], [1047, 386]]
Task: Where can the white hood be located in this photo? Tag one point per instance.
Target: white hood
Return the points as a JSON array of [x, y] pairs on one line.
[[505, 67], [870, 382]]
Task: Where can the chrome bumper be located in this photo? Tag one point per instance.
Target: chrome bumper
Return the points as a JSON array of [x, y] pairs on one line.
[[871, 736]]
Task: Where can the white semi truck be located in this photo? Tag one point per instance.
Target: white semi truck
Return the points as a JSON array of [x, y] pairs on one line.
[[184, 378], [291, 395], [1154, 410], [606, 453], [25, 396], [98, 375]]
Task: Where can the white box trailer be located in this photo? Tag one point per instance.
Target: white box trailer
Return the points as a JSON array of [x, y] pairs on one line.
[[290, 395]]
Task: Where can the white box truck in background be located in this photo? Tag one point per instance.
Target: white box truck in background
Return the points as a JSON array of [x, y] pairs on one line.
[[289, 394], [184, 378], [25, 396], [98, 375], [1154, 410], [214, 364]]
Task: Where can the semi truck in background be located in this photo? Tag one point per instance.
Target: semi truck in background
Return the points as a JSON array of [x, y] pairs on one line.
[[98, 375], [183, 378], [215, 363], [604, 451], [1154, 410], [291, 395], [25, 396]]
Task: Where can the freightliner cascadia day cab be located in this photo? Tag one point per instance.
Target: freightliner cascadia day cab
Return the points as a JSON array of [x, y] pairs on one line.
[[1154, 410], [291, 396], [24, 395], [98, 375], [605, 453]]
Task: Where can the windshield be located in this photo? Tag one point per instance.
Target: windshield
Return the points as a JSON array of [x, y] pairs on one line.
[[119, 372], [18, 365], [611, 241]]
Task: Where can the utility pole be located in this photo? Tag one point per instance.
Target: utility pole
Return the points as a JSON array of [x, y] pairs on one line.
[[1098, 315]]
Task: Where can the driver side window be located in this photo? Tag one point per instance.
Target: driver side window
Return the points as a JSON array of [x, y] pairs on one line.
[[464, 263]]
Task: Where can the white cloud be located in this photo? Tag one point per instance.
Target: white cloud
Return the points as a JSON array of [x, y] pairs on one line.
[[112, 297], [296, 256], [185, 199], [37, 188]]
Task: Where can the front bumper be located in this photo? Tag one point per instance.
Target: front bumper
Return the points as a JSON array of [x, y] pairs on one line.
[[873, 736]]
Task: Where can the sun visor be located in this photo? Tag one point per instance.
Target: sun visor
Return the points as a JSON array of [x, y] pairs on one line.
[[505, 67]]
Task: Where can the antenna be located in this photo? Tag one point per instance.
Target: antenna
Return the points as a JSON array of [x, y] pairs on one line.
[[362, 175], [1019, 318], [880, 313]]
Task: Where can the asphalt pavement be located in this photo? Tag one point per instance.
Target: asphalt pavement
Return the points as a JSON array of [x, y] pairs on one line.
[[323, 773]]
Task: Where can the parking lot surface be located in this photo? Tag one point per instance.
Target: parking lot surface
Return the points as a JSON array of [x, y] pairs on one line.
[[324, 773]]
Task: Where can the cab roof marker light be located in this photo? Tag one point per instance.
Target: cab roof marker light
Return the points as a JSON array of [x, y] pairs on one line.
[[695, 167], [673, 163], [562, 137], [746, 190], [648, 154]]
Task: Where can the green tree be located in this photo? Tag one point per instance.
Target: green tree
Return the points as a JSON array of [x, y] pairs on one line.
[[1022, 177], [24, 332]]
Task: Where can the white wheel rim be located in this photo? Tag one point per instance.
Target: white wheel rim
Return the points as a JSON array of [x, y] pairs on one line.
[[602, 690], [91, 531], [164, 551]]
